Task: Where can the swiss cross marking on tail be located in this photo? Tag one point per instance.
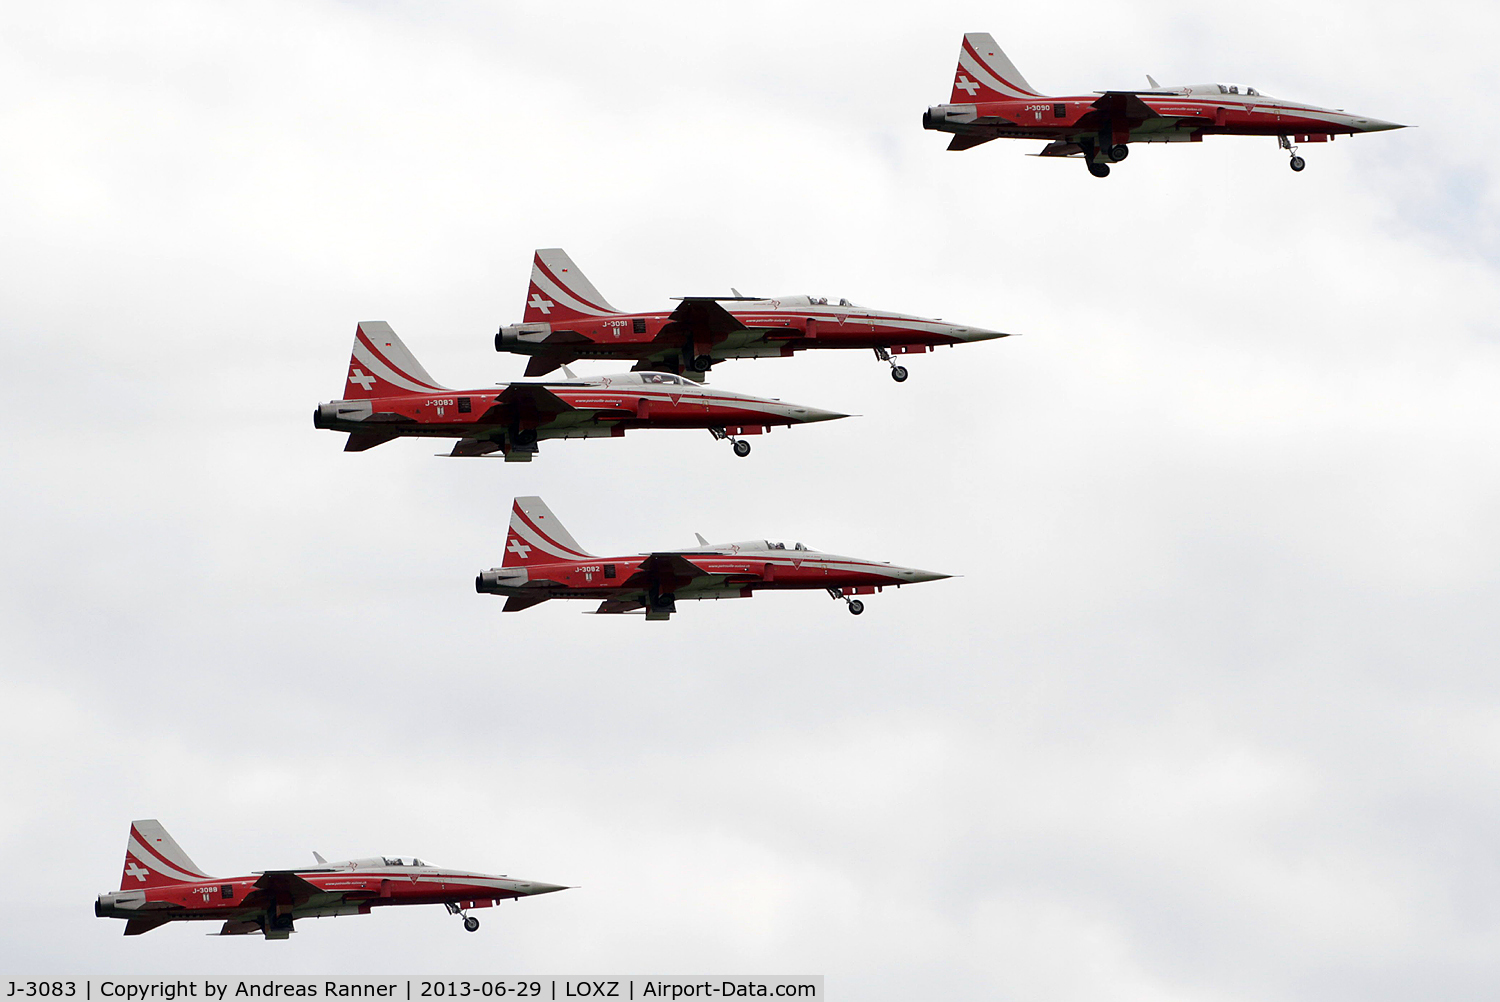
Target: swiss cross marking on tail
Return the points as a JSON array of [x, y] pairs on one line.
[[545, 305], [966, 85], [519, 548], [137, 871], [358, 376]]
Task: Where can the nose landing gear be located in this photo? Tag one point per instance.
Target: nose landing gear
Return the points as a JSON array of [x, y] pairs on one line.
[[1297, 162], [471, 924], [898, 372], [741, 447], [856, 607]]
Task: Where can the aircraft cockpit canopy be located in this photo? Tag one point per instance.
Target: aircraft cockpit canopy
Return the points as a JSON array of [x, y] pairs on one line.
[[1220, 88], [1237, 89], [661, 378], [759, 544], [782, 546], [816, 301], [376, 862]]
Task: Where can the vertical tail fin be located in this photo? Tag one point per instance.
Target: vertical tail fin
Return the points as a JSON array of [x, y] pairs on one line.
[[382, 366], [559, 291], [153, 858], [537, 537], [985, 73]]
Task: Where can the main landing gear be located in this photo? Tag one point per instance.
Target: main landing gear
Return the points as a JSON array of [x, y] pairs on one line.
[[855, 605], [1297, 162], [741, 447], [898, 372], [471, 924], [1100, 168]]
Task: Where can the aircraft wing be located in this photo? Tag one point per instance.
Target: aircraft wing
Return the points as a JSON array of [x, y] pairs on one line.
[[526, 400], [1125, 104], [665, 567], [618, 606], [282, 887], [701, 317]]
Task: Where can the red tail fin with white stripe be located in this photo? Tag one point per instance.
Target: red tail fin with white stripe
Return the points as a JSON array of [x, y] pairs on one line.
[[153, 859], [985, 73], [382, 366], [537, 537], [559, 291]]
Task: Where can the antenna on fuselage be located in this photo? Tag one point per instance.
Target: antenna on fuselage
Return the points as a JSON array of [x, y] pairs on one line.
[[1152, 81], [737, 293], [701, 540], [568, 372], [319, 857]]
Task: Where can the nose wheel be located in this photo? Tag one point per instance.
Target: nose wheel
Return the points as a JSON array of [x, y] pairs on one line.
[[471, 924], [741, 447], [1297, 163], [898, 372], [856, 607]]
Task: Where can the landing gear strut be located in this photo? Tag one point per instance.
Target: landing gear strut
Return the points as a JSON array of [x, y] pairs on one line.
[[741, 447], [855, 605], [1297, 162], [471, 924], [898, 372]]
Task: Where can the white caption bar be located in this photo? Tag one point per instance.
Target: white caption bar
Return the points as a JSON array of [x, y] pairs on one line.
[[428, 989]]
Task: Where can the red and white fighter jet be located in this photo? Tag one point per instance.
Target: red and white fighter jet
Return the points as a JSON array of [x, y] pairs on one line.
[[991, 100], [161, 884], [389, 395], [567, 319], [543, 561]]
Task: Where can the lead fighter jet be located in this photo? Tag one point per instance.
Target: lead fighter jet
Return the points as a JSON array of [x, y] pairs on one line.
[[991, 100], [161, 884], [389, 395], [567, 319], [543, 561]]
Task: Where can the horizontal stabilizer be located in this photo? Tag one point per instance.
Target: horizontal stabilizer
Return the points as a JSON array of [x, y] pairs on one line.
[[359, 441], [140, 926], [517, 603], [967, 142], [540, 365]]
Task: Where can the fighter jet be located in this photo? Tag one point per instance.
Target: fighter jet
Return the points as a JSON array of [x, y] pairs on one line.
[[991, 100], [543, 561], [567, 319], [389, 395], [161, 884]]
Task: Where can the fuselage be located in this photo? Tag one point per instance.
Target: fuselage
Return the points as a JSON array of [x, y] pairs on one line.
[[1182, 114], [734, 570], [606, 406], [771, 328], [347, 888]]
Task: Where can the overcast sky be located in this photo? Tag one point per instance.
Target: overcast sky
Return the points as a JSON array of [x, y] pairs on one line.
[[1212, 712]]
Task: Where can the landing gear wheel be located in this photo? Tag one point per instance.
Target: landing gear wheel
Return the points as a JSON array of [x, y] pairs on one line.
[[856, 607], [742, 448], [1119, 152], [667, 601], [898, 373], [1098, 170], [1298, 163], [701, 363], [471, 924]]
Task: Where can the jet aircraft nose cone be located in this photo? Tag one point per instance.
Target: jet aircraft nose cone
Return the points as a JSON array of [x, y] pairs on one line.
[[976, 333], [809, 414], [911, 575], [537, 887], [1376, 125]]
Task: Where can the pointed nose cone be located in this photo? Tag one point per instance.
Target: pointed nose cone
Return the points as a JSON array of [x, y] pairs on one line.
[[911, 575], [537, 887], [805, 415], [1375, 125], [974, 333]]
